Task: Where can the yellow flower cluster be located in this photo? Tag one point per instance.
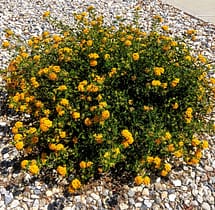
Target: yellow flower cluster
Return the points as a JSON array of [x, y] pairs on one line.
[[128, 138], [158, 71], [62, 170], [98, 137], [34, 82], [166, 170], [45, 124], [156, 83], [135, 56], [142, 180], [188, 115], [84, 164], [74, 185], [93, 57], [56, 147], [81, 86], [175, 82]]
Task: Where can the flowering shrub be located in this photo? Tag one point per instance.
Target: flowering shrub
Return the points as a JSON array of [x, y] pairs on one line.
[[103, 97]]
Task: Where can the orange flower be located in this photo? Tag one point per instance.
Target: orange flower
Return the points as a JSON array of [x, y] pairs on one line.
[[83, 164], [24, 164], [61, 170], [93, 63], [138, 180], [105, 115], [34, 169], [52, 76], [146, 180]]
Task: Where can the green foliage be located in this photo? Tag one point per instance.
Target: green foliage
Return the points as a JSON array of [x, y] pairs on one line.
[[103, 97]]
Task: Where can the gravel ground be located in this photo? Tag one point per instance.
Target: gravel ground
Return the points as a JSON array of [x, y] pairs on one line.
[[186, 188]]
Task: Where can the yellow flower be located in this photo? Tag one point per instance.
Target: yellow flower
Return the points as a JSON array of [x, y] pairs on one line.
[[175, 82], [5, 44], [19, 145], [98, 137], [125, 144], [32, 130], [193, 161], [127, 43], [130, 140], [83, 164], [178, 153], [46, 14], [164, 173], [107, 155], [175, 106], [76, 115], [89, 163], [89, 43], [146, 180], [88, 121], [138, 180], [127, 134], [147, 108], [45, 124], [62, 170], [158, 71], [156, 83], [39, 104], [52, 76], [93, 56], [191, 31], [59, 147], [165, 28], [195, 142], [64, 102], [171, 147], [168, 136], [62, 88], [34, 169], [36, 58], [18, 124], [198, 154], [135, 56], [188, 58], [105, 115], [107, 56], [52, 146], [157, 162], [76, 184], [202, 58], [149, 159], [18, 137], [159, 18], [62, 134], [204, 144], [15, 130], [189, 112], [167, 167], [93, 63], [24, 164]]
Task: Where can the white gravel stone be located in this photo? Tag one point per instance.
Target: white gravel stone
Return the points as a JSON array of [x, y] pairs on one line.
[[123, 206], [206, 206], [95, 196], [148, 203], [14, 204], [172, 197], [177, 182]]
